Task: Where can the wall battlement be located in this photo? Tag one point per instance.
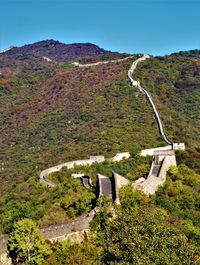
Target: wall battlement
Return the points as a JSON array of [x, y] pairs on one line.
[[163, 160]]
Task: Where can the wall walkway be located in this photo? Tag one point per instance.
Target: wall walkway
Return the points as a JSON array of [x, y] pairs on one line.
[[150, 100], [163, 160]]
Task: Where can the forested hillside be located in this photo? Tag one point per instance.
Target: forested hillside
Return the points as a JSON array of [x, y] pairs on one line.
[[52, 112]]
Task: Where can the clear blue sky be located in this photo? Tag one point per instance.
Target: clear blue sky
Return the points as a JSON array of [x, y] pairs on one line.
[[134, 26]]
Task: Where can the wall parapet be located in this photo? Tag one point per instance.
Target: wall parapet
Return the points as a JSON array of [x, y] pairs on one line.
[[163, 160], [74, 231], [119, 181]]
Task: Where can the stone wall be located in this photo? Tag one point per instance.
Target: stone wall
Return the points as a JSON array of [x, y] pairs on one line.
[[69, 230], [150, 151], [121, 156], [3, 243], [4, 259], [178, 146], [93, 159], [105, 186], [102, 62], [165, 160], [43, 175], [119, 182], [74, 231]]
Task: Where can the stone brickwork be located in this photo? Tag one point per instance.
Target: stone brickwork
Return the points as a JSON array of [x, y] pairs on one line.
[[4, 259], [102, 62], [104, 186], [69, 230], [75, 231], [163, 160], [119, 182], [43, 175], [121, 156], [179, 146], [150, 151], [3, 243]]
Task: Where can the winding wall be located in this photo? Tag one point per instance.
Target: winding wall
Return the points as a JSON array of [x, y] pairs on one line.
[[43, 175], [137, 84], [157, 174], [102, 62]]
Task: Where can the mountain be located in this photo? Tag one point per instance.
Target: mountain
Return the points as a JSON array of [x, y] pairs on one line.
[[58, 51], [52, 111], [191, 54]]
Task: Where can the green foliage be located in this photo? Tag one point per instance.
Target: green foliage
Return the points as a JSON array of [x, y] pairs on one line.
[[52, 113], [181, 198], [131, 168], [68, 253], [145, 238], [70, 200], [44, 204], [26, 243], [132, 199], [66, 65], [135, 151], [75, 206], [173, 81], [103, 215]]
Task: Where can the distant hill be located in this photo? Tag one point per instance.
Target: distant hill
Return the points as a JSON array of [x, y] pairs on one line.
[[192, 54], [58, 51]]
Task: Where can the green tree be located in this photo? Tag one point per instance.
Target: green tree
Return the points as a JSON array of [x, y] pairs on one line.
[[145, 237], [68, 253], [135, 151], [26, 243]]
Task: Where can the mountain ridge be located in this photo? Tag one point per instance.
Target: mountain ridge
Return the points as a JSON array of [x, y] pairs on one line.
[[78, 49], [56, 50]]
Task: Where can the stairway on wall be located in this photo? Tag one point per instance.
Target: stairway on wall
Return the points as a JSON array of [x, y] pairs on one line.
[[162, 161]]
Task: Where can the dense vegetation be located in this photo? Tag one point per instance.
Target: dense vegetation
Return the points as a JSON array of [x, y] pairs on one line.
[[174, 82], [69, 198], [58, 51], [54, 112], [163, 229], [26, 244]]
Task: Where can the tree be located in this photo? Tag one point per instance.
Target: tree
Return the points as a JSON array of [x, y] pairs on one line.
[[135, 151], [145, 237], [26, 243], [68, 253]]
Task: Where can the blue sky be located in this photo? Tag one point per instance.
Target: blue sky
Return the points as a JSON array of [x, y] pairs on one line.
[[135, 26]]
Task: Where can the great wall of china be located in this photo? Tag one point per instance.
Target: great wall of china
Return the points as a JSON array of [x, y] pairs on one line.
[[163, 158]]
